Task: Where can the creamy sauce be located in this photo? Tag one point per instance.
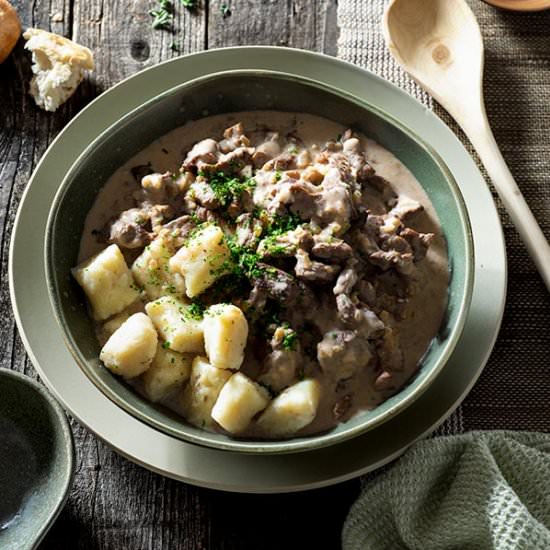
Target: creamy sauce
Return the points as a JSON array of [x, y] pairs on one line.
[[424, 311]]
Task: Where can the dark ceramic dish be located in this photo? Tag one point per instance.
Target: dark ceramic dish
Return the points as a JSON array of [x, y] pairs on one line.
[[36, 460], [230, 92]]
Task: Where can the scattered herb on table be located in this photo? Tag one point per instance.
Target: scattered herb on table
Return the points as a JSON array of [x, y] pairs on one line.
[[162, 15], [225, 10], [189, 4]]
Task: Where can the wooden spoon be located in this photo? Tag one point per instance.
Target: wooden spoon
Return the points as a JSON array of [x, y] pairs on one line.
[[438, 42]]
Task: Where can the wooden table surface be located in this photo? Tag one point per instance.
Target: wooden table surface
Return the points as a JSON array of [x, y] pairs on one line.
[[114, 503]]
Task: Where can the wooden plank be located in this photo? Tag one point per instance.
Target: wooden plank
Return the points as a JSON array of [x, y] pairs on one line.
[[306, 24], [25, 132], [114, 503]]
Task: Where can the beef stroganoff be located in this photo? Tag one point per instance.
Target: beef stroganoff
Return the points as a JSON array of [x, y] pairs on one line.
[[265, 274]]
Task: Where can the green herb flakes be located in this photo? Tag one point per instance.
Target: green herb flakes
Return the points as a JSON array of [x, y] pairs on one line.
[[225, 10], [289, 341], [227, 188], [196, 310], [162, 15]]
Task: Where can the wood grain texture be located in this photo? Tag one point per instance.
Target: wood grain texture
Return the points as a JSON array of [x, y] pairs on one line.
[[115, 504]]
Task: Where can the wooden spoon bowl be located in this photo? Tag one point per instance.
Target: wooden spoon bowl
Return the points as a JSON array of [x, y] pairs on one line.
[[439, 43]]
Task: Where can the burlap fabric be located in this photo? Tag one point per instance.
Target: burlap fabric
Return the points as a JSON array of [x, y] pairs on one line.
[[514, 390]]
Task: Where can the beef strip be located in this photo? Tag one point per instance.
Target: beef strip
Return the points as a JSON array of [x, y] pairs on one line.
[[280, 366], [419, 242], [312, 271], [335, 250], [341, 353], [129, 229], [284, 288]]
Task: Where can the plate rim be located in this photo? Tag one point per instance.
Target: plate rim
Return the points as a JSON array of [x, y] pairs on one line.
[[320, 58]]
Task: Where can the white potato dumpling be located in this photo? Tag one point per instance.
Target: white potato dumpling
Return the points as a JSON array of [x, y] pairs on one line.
[[179, 327], [152, 271], [200, 395], [201, 260], [114, 323], [107, 282], [240, 399], [225, 333], [131, 348], [291, 410], [169, 370]]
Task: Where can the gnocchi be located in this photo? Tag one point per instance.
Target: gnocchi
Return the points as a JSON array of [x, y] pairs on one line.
[[291, 410], [131, 348], [239, 400], [225, 334], [200, 395], [201, 260], [107, 282], [152, 272], [169, 370], [179, 328]]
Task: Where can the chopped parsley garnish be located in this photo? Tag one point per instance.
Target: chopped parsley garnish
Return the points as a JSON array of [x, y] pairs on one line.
[[154, 277], [273, 248], [289, 341], [243, 262], [165, 345], [162, 15], [228, 188], [282, 224], [196, 310]]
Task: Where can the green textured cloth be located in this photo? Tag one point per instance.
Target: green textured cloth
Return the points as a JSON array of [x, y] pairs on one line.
[[480, 490]]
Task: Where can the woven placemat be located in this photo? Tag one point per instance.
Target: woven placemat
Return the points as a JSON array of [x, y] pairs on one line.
[[514, 390]]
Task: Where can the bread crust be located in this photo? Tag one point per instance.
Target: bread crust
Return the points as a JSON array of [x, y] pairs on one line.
[[60, 49], [10, 29], [59, 65]]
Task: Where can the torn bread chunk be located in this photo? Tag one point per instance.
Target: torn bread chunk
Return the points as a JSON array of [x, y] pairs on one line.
[[10, 29], [59, 65]]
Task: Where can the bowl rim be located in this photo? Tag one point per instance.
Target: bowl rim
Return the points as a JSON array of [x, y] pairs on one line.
[[68, 449], [303, 443]]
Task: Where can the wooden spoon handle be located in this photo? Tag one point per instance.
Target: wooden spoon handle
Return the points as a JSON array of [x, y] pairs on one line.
[[484, 142]]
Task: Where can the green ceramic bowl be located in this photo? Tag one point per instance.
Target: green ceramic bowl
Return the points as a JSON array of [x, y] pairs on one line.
[[36, 460], [225, 92]]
